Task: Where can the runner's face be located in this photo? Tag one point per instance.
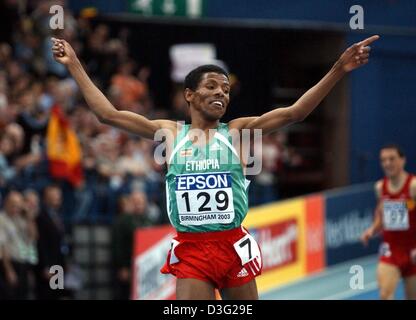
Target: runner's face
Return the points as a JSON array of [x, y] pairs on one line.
[[391, 162], [212, 96]]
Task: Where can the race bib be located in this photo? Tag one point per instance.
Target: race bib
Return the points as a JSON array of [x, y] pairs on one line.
[[395, 215], [204, 198], [247, 249]]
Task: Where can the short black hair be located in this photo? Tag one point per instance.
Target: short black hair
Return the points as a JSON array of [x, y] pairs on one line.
[[193, 78], [395, 147]]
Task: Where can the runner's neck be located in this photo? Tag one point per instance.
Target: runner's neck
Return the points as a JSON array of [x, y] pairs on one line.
[[396, 183], [204, 125]]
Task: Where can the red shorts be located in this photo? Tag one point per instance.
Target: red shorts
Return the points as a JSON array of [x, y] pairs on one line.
[[212, 257], [401, 256]]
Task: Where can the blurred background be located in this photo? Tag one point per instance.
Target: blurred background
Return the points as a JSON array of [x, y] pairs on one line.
[[80, 194]]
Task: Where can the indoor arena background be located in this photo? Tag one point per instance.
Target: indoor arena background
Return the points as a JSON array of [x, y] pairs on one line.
[[315, 194]]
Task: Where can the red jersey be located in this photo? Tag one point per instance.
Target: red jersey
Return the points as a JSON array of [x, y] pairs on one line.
[[399, 215]]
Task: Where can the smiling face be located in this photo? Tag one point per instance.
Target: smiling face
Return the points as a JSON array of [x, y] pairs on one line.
[[211, 97]]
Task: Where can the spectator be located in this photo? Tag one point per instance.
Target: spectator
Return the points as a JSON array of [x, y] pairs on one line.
[[276, 156], [4, 100], [130, 88], [31, 120], [51, 246], [101, 53], [7, 171], [13, 235], [133, 215], [24, 163], [17, 135], [31, 212], [5, 54], [121, 267], [263, 187], [132, 161]]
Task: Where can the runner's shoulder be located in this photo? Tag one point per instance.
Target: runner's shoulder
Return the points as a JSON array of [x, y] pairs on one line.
[[378, 186], [169, 127], [413, 187], [240, 123]]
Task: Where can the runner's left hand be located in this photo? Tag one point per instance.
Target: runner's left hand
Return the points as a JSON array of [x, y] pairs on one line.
[[357, 55]]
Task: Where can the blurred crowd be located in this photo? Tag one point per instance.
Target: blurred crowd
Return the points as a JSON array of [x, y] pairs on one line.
[[120, 174], [123, 185], [31, 83]]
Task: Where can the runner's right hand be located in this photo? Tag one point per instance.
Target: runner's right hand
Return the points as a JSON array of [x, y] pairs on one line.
[[63, 52], [367, 234]]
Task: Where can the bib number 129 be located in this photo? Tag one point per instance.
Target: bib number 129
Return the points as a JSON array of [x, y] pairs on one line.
[[204, 200]]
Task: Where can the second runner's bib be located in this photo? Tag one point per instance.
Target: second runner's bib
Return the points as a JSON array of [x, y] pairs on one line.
[[395, 215]]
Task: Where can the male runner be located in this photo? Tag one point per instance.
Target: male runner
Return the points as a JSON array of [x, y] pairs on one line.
[[395, 217], [207, 196]]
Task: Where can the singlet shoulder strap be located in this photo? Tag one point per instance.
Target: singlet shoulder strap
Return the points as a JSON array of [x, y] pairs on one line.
[[406, 186], [384, 189], [182, 133], [223, 135], [180, 141]]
